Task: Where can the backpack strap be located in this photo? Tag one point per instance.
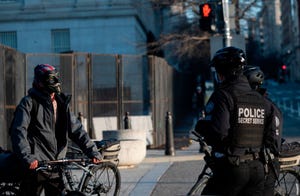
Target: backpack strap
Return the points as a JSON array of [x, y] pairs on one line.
[[34, 108]]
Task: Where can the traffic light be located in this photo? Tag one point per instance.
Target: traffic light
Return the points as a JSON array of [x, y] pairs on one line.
[[283, 73], [206, 15]]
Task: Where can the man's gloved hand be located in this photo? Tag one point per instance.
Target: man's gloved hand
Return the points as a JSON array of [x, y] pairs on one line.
[[96, 160], [34, 164]]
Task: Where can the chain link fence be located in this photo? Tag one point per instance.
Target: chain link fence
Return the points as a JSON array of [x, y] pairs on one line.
[[101, 86]]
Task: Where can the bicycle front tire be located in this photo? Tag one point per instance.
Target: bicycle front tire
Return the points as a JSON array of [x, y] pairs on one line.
[[106, 180], [9, 190], [288, 183], [199, 186]]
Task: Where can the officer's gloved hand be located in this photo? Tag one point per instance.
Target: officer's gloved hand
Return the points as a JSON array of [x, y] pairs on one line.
[[198, 127], [201, 127]]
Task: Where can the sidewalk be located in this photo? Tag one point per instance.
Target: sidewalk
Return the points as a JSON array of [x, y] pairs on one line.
[[160, 175]]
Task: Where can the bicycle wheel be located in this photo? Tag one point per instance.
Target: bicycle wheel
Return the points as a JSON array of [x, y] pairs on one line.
[[288, 183], [9, 190], [106, 180], [199, 186]]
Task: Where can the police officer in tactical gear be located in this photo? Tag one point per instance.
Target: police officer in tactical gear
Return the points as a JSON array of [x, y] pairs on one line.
[[255, 77], [237, 125]]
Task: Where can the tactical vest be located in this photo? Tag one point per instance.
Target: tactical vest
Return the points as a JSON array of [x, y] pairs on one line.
[[247, 120]]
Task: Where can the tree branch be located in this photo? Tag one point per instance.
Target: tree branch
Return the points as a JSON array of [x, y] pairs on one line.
[[247, 8]]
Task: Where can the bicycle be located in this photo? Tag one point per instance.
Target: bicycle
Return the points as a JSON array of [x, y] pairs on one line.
[[95, 179], [107, 178], [206, 172], [287, 184]]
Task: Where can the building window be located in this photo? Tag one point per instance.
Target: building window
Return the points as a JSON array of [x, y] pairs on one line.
[[9, 38], [60, 40], [4, 1]]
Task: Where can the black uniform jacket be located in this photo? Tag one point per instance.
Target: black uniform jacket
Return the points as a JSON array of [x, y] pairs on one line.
[[35, 135], [216, 125], [278, 120]]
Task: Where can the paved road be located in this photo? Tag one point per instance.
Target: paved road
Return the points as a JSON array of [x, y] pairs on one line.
[[179, 178], [160, 175], [163, 175]]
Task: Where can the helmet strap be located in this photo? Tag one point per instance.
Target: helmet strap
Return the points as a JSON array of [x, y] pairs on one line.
[[219, 77]]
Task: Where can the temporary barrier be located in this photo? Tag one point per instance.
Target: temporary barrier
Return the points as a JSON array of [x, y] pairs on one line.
[[101, 86]]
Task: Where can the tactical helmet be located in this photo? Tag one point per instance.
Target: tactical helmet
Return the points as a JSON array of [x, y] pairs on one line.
[[46, 77], [229, 61], [255, 76]]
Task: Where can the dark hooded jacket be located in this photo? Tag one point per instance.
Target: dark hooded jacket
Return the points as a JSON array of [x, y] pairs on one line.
[[35, 135]]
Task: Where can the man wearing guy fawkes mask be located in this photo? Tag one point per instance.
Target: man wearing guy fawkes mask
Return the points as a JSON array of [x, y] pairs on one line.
[[40, 130], [46, 79], [237, 124]]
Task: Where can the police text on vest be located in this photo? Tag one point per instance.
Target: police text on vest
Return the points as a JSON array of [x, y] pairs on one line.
[[248, 115]]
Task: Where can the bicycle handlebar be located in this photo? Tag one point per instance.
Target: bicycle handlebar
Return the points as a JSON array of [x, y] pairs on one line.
[[204, 146], [64, 161], [48, 163]]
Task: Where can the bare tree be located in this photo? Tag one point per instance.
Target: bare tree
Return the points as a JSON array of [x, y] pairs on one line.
[[185, 41], [244, 10]]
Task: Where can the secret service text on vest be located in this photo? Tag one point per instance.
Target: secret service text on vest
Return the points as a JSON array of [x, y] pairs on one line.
[[248, 115]]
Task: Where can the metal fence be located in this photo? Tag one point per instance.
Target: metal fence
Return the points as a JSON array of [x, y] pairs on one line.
[[101, 85]]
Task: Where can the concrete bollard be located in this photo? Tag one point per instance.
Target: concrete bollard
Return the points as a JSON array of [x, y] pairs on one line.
[[133, 145], [169, 148], [127, 123]]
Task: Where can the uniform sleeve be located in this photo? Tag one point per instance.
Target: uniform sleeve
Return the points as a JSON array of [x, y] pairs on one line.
[[214, 127], [79, 135], [19, 131], [273, 129]]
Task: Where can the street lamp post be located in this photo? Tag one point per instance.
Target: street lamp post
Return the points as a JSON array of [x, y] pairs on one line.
[[227, 37]]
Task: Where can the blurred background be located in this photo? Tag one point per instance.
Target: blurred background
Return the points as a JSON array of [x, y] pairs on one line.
[[145, 58]]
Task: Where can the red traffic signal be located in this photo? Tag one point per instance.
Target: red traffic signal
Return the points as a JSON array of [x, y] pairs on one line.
[[205, 10], [206, 16], [283, 67]]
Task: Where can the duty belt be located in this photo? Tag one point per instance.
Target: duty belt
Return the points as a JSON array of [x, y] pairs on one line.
[[249, 157]]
